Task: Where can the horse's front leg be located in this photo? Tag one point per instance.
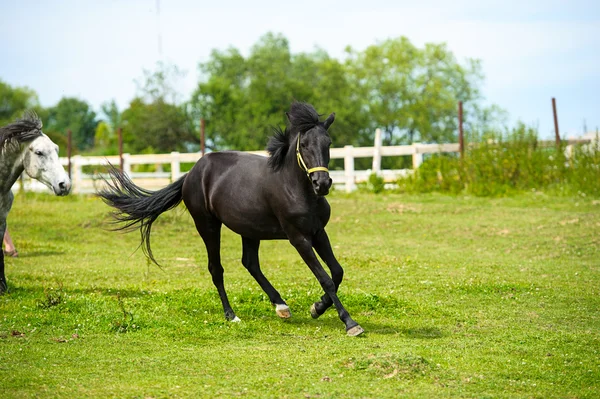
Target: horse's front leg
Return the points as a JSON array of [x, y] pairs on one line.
[[303, 245], [323, 247]]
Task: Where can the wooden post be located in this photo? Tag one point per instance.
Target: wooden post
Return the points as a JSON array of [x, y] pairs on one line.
[[69, 150], [77, 174], [202, 136], [349, 168], [557, 134], [377, 152], [175, 166], [417, 158], [461, 140], [120, 133], [126, 164]]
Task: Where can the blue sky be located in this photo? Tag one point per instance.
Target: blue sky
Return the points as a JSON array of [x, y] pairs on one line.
[[531, 51]]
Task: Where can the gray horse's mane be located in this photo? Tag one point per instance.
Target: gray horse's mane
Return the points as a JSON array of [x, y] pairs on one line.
[[23, 130]]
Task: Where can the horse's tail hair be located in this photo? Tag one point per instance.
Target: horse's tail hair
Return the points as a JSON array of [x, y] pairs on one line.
[[138, 207]]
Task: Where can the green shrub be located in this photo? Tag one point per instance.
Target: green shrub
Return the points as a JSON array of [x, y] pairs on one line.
[[500, 165]]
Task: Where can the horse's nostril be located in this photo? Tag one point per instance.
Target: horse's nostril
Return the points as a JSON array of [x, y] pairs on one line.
[[61, 185]]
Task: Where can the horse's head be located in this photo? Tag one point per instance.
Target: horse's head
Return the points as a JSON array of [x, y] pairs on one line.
[[41, 162], [312, 151]]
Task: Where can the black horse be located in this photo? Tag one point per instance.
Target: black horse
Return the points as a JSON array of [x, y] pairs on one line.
[[280, 197]]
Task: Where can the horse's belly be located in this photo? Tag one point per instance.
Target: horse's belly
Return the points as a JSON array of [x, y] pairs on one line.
[[253, 225]]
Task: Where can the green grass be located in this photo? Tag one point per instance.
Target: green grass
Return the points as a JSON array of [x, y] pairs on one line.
[[459, 297]]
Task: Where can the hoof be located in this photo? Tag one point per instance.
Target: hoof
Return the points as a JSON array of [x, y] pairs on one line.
[[235, 320], [313, 312], [355, 331], [283, 311], [3, 287]]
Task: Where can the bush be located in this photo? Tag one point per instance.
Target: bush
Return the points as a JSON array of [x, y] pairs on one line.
[[375, 184], [497, 165]]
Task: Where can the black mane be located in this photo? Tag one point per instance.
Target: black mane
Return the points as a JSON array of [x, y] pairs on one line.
[[23, 130], [302, 117]]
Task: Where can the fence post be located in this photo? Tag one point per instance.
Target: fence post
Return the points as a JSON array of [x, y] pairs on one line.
[[175, 169], [126, 164], [120, 135], [461, 137], [555, 122], [569, 154], [417, 158], [349, 168], [77, 174], [377, 152], [202, 136], [69, 149]]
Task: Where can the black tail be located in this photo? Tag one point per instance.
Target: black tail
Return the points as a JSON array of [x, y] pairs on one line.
[[136, 206]]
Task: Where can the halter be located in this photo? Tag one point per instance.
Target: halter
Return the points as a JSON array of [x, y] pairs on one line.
[[303, 165]]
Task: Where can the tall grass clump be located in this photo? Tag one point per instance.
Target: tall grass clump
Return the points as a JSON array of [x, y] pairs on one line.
[[503, 164]]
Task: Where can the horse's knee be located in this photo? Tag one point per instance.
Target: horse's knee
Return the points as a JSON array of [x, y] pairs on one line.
[[337, 274]]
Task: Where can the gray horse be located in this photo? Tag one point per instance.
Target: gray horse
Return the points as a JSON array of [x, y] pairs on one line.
[[24, 147]]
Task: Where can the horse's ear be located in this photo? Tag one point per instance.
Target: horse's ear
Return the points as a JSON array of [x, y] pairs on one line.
[[287, 114], [329, 120]]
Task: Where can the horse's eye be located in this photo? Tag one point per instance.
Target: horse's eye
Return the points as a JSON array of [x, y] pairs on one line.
[[39, 153], [302, 145]]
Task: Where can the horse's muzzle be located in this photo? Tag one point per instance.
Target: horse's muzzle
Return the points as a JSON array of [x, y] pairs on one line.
[[62, 188], [321, 183]]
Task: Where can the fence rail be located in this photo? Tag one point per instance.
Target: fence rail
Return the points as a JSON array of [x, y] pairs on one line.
[[346, 179]]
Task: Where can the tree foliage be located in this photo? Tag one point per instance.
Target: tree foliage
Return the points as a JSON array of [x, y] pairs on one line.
[[412, 93], [154, 121], [242, 98], [155, 126], [409, 92], [76, 115], [14, 101]]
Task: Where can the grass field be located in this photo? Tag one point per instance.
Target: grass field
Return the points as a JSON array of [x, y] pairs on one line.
[[459, 297]]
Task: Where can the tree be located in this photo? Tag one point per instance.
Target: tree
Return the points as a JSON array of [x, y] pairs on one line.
[[154, 121], [243, 98], [412, 93], [156, 126], [14, 101], [112, 115], [75, 115]]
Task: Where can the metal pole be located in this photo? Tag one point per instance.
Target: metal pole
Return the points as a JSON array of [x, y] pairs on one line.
[[69, 149], [202, 137], [555, 122], [120, 133], [461, 142]]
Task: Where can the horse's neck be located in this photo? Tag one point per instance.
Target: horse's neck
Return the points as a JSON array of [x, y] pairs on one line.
[[11, 167]]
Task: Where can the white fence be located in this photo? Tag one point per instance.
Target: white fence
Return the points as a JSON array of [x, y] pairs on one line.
[[346, 179]]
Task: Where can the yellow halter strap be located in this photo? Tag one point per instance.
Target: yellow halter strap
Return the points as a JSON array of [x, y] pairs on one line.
[[303, 165]]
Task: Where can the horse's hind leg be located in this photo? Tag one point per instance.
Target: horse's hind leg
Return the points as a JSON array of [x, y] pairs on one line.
[[251, 263], [210, 231], [323, 247], [3, 285]]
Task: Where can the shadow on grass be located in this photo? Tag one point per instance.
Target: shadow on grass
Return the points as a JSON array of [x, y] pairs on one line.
[[24, 291], [39, 254], [424, 333]]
